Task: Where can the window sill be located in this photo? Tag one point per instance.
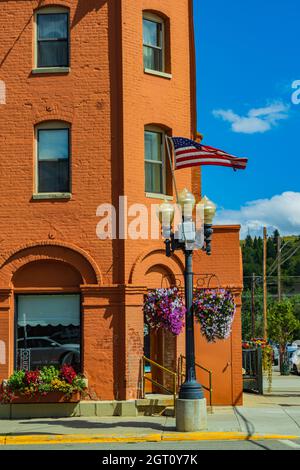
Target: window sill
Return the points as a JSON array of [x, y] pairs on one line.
[[159, 196], [40, 70], [158, 74], [43, 196]]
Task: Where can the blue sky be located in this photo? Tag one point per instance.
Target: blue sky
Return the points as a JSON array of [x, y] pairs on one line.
[[247, 59]]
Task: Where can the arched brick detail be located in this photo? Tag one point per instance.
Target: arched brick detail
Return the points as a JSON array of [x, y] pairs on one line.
[[53, 113], [49, 250], [50, 3], [147, 260]]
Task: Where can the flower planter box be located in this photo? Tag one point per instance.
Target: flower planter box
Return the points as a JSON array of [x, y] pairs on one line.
[[51, 397]]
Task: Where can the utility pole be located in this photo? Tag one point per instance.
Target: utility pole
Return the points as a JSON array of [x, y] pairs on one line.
[[279, 268], [265, 283], [253, 304]]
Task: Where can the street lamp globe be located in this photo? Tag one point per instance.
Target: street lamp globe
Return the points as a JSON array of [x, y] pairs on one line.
[[187, 202], [166, 212], [209, 210]]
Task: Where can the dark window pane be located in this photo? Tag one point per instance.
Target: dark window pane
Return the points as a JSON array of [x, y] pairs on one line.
[[52, 26], [53, 176], [53, 54], [153, 59], [153, 178]]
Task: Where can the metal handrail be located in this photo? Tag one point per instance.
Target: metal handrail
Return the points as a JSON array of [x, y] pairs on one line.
[[209, 389], [174, 375]]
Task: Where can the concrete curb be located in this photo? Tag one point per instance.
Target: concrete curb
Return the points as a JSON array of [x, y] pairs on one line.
[[90, 439]]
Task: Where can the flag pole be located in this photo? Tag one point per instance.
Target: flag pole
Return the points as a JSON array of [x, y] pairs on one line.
[[168, 139]]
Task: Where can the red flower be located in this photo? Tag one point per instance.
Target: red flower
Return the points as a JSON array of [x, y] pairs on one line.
[[32, 377], [67, 373]]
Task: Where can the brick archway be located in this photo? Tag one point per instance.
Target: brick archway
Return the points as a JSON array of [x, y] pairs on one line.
[[147, 261], [55, 251]]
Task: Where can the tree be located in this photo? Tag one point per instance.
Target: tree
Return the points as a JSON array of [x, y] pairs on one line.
[[258, 312], [282, 324]]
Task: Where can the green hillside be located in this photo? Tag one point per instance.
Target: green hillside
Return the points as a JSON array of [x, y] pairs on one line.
[[252, 249]]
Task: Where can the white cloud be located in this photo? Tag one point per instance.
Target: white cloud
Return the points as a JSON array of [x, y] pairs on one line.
[[258, 120], [281, 212]]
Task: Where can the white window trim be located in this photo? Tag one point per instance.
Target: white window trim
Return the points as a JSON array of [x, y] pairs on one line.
[[163, 159], [44, 126], [48, 11], [158, 74], [157, 19], [159, 196]]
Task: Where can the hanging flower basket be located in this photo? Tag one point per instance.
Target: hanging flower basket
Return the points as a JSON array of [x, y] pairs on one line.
[[214, 309], [164, 308]]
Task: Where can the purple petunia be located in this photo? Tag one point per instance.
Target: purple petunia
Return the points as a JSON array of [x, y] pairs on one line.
[[164, 308], [214, 310]]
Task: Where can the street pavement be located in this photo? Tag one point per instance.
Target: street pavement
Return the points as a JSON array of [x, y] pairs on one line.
[[161, 447], [271, 421]]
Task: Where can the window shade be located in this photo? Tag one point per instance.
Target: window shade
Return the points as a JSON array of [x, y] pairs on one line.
[[46, 310]]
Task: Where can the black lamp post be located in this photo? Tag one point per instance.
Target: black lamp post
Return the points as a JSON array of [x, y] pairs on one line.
[[187, 238]]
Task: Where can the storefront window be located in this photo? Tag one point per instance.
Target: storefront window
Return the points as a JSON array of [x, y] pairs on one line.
[[48, 331]]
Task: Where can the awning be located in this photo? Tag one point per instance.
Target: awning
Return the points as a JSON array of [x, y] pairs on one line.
[[47, 310]]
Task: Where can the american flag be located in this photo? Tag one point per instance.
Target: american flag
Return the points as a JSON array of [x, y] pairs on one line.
[[189, 153]]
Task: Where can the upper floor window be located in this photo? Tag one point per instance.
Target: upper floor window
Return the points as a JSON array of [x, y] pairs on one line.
[[52, 36], [155, 171], [53, 158], [153, 42]]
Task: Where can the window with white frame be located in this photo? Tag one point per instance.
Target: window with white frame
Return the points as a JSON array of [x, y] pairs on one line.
[[155, 171], [153, 42], [52, 38], [53, 157]]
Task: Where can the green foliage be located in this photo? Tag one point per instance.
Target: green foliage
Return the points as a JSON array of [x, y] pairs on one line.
[[258, 310], [16, 380], [282, 322], [252, 250], [295, 300], [48, 373], [41, 382]]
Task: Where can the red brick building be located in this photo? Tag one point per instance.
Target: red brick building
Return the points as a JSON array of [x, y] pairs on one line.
[[92, 87]]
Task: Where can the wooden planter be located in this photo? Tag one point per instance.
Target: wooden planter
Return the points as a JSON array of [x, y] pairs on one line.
[[51, 397]]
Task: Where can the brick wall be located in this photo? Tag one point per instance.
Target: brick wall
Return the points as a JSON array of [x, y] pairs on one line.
[[107, 99]]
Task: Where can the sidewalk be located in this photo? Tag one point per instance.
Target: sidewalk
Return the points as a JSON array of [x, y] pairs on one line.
[[275, 415], [264, 421]]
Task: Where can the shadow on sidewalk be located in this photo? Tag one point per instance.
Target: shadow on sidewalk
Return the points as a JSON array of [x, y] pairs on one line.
[[84, 424], [250, 428]]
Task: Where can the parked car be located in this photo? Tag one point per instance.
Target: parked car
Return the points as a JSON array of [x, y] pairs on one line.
[[46, 351], [290, 349], [295, 362], [67, 336]]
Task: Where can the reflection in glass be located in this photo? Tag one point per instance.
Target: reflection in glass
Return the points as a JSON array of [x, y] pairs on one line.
[[153, 45], [52, 40], [48, 331], [153, 162], [53, 161]]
